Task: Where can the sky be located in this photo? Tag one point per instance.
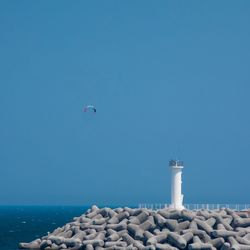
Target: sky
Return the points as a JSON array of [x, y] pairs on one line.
[[169, 79]]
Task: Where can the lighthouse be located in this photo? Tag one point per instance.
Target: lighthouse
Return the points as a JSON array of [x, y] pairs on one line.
[[176, 195]]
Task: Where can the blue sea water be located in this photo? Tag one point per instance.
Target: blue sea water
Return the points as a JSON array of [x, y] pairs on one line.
[[26, 223]]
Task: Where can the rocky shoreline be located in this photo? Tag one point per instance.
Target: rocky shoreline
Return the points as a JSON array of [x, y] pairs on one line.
[[164, 229]]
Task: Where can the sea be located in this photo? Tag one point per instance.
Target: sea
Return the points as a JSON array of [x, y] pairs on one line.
[[26, 223]]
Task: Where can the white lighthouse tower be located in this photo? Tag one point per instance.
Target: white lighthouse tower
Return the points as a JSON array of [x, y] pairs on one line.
[[176, 195]]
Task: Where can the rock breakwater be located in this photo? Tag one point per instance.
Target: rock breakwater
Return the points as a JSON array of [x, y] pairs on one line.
[[164, 229]]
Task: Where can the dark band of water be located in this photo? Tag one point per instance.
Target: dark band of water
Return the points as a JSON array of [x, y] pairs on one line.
[[24, 224]]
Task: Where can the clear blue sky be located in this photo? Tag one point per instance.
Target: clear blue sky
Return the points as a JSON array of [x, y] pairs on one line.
[[168, 78]]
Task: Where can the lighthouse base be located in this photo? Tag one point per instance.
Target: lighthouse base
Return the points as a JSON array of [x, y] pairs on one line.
[[177, 207]]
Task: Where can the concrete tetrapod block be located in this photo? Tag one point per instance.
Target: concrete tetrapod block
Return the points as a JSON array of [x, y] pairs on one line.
[[242, 222], [91, 214], [101, 235], [96, 227], [188, 236], [131, 247], [199, 217], [242, 229], [118, 210], [131, 211], [84, 219], [57, 231], [150, 247], [63, 246], [200, 245], [127, 238], [118, 217], [204, 226], [115, 243], [165, 246], [247, 236], [171, 224], [81, 235], [89, 247], [204, 213], [225, 234], [176, 240], [94, 242], [94, 208], [100, 221], [74, 248], [110, 232], [76, 230], [72, 242], [45, 243], [196, 232], [148, 224], [242, 240], [160, 220], [187, 215], [97, 217], [136, 231], [111, 213], [54, 246], [157, 231], [139, 244], [211, 221], [90, 236], [193, 225], [174, 215], [160, 238], [122, 232], [90, 231], [31, 245], [113, 237], [183, 225], [148, 235], [140, 218], [197, 246], [228, 220], [66, 234], [236, 246], [117, 227], [220, 227], [57, 239], [243, 214], [217, 243], [224, 222], [226, 246], [122, 216]]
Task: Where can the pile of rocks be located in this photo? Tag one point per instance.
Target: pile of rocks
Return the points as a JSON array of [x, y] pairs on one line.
[[126, 228]]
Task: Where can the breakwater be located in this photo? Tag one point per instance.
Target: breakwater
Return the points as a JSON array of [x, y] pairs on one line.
[[127, 228]]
